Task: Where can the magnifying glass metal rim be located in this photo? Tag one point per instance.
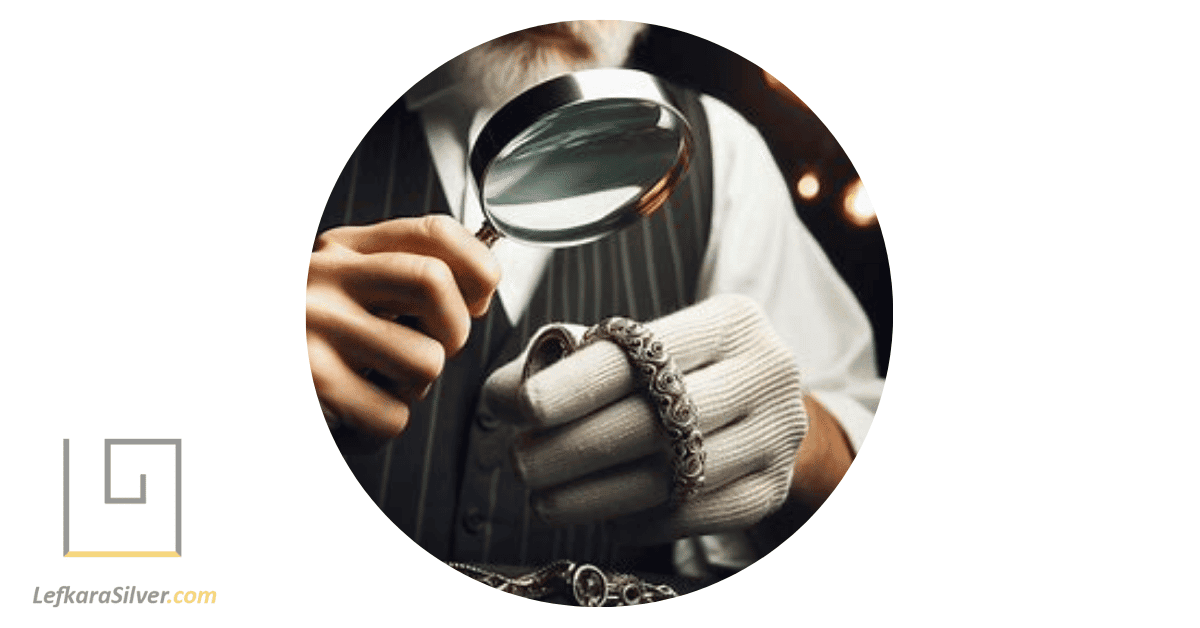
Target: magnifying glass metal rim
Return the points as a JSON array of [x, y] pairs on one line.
[[527, 108]]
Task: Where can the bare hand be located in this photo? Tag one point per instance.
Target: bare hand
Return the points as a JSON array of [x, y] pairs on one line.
[[360, 281]]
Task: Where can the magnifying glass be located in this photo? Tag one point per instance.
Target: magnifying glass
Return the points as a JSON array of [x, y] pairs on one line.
[[578, 157]]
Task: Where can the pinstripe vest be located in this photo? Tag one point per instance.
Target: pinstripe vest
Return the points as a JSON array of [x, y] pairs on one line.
[[447, 481]]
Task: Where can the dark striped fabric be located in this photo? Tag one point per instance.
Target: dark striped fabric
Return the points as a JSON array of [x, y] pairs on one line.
[[447, 481]]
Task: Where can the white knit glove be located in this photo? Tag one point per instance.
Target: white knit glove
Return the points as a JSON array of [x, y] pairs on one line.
[[594, 452]]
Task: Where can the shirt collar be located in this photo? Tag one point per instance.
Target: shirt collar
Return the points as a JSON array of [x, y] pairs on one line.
[[436, 89]]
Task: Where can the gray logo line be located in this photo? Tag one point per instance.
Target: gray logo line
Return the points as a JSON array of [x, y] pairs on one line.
[[140, 499]]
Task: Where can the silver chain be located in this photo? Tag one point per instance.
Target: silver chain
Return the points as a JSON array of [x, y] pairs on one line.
[[656, 372]]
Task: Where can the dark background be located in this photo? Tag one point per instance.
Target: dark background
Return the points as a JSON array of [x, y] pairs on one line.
[[800, 143]]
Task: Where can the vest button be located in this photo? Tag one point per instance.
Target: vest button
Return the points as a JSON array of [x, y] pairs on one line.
[[486, 421], [490, 448], [473, 520]]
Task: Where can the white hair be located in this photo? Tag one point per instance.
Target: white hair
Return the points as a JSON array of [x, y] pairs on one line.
[[508, 65]]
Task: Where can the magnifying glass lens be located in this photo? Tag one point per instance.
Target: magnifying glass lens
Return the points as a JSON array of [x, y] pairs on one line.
[[584, 170]]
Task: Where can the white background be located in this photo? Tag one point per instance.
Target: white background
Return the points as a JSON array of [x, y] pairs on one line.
[[1033, 165]]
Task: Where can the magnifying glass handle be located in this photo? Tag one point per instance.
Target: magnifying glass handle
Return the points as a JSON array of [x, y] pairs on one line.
[[487, 234]]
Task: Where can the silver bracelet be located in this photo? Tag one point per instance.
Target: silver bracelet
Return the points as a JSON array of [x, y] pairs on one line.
[[588, 584], [656, 372]]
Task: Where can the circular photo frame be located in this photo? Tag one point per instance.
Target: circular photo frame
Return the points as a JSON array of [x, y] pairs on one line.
[[664, 369]]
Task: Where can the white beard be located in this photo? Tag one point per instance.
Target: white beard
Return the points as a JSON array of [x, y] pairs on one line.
[[498, 70]]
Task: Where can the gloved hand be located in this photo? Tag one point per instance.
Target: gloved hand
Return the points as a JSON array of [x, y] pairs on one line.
[[593, 450]]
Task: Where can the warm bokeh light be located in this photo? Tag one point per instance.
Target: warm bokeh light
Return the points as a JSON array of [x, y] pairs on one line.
[[779, 87], [857, 205], [808, 186]]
